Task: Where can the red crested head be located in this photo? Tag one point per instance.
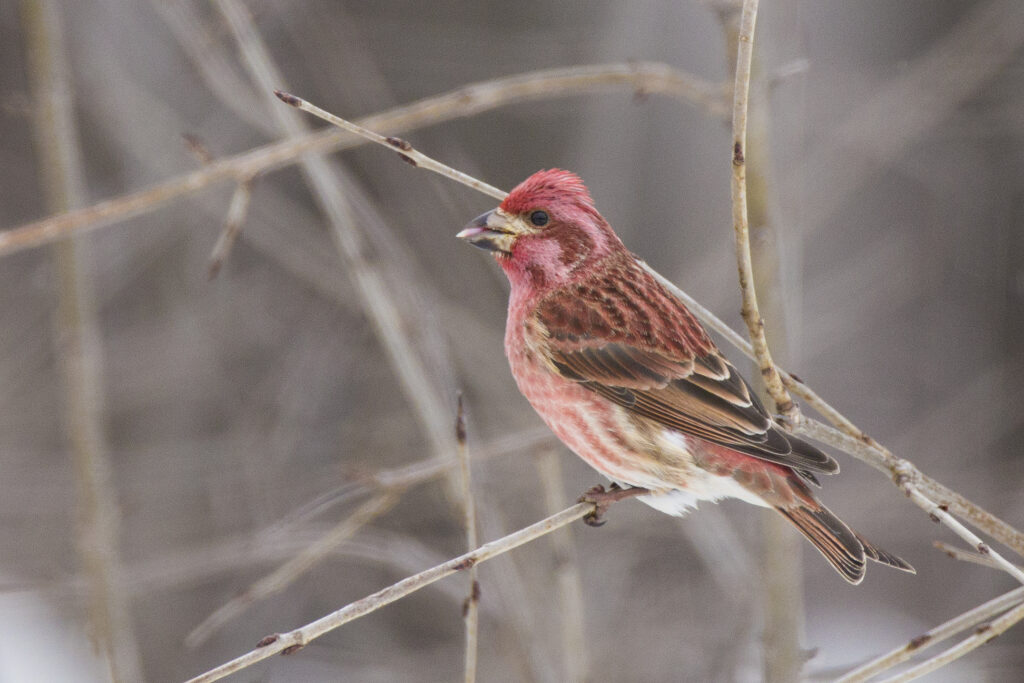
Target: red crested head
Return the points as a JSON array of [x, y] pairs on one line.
[[553, 186], [545, 231]]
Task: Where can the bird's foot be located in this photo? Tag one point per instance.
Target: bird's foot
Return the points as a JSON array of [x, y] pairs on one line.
[[603, 499]]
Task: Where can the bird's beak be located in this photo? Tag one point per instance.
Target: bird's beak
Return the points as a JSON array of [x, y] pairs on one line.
[[491, 231]]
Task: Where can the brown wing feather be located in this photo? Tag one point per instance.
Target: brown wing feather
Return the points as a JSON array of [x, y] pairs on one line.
[[601, 337]]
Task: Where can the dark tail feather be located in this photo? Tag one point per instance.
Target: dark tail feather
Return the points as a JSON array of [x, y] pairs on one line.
[[882, 557], [833, 539], [844, 548]]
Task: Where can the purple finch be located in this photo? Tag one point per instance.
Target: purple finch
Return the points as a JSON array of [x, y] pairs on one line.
[[627, 378]]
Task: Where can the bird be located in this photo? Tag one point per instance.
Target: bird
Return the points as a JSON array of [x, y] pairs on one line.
[[626, 376]]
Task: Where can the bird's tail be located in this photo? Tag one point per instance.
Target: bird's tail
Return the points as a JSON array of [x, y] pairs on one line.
[[844, 548]]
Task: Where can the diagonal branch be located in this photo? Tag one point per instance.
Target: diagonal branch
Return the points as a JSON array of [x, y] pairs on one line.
[[287, 643], [297, 565], [647, 77], [934, 636]]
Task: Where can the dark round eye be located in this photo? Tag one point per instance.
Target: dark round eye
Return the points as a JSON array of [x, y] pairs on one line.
[[539, 218]]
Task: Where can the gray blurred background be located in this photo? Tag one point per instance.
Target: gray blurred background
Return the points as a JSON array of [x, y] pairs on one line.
[[225, 407]]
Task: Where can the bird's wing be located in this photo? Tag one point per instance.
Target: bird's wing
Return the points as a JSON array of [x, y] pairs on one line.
[[697, 392]]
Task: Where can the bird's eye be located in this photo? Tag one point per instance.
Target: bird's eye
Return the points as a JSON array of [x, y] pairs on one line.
[[539, 218]]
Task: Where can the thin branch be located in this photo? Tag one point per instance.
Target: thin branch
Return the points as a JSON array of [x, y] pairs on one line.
[[299, 564], [471, 611], [934, 636], [937, 512], [648, 77], [751, 315], [982, 635], [405, 150], [852, 440], [418, 472], [184, 22], [287, 643], [905, 474], [571, 611], [968, 556], [79, 346], [781, 596], [378, 301], [882, 128], [237, 210]]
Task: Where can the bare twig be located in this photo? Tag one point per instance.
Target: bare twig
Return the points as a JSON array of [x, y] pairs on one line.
[[79, 345], [470, 612], [937, 512], [849, 438], [968, 556], [287, 643], [417, 473], [237, 210], [781, 572], [296, 566], [751, 315], [953, 70], [567, 573], [936, 635], [405, 150], [652, 78], [981, 635], [377, 299], [904, 474]]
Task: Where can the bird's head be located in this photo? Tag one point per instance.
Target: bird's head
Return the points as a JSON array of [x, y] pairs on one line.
[[544, 231]]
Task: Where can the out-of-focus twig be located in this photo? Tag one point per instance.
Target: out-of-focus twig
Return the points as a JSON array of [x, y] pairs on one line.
[[79, 345], [883, 128], [185, 24], [287, 643], [571, 611], [942, 632], [377, 299], [237, 210], [649, 77], [298, 565], [471, 609], [419, 472]]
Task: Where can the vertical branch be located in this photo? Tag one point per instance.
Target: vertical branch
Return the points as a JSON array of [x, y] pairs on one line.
[[470, 610], [782, 598], [567, 574], [78, 344], [751, 314]]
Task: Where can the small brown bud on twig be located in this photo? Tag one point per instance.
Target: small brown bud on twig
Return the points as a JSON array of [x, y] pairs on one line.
[[916, 643], [465, 564], [288, 98]]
